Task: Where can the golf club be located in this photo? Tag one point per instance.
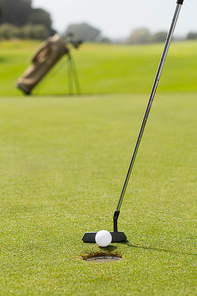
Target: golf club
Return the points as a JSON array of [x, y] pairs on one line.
[[89, 237]]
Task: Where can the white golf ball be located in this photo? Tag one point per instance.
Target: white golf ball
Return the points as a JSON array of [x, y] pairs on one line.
[[103, 238]]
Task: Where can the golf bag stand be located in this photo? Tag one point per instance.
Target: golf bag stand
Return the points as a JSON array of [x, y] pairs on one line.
[[72, 76], [89, 237]]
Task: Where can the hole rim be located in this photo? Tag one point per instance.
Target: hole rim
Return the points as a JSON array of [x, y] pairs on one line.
[[101, 256]]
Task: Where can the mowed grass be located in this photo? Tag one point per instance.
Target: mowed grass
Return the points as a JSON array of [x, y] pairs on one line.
[[105, 68], [63, 164]]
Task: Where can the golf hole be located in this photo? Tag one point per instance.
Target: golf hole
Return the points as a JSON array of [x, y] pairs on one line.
[[101, 257]]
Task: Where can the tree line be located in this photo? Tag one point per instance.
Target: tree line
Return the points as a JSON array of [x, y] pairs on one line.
[[143, 35], [19, 20], [137, 36]]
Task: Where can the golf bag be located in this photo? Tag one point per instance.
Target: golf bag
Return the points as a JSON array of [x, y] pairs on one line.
[[46, 56]]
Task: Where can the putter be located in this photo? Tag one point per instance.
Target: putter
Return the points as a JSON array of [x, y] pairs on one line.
[[89, 237]]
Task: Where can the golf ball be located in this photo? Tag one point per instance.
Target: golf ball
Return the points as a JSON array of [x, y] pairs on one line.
[[103, 238]]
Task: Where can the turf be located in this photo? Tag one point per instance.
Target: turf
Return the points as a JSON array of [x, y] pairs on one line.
[[63, 163], [105, 68]]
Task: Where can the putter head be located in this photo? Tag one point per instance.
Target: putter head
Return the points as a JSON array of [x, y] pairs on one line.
[[117, 237]]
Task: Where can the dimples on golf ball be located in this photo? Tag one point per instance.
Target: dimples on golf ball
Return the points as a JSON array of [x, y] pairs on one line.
[[103, 238]]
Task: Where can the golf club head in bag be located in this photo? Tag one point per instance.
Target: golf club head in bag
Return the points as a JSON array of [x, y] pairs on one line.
[[89, 237]]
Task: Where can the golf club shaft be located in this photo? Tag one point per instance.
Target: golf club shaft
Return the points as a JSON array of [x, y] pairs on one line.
[[70, 82], [153, 91]]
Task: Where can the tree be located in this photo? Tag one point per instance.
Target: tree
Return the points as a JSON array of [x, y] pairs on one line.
[[139, 36], [159, 37], [41, 17], [191, 36], [21, 13], [105, 40], [15, 12], [0, 11], [83, 31], [9, 31]]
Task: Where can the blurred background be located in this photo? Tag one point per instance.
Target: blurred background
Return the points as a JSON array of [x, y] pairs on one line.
[[97, 21], [114, 32]]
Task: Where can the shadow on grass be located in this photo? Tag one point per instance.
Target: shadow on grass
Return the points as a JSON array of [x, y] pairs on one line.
[[158, 249], [66, 94], [109, 248]]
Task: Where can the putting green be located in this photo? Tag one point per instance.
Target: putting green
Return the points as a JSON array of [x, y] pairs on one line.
[[63, 164]]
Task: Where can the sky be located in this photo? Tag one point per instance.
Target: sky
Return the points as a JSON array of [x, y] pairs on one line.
[[118, 18]]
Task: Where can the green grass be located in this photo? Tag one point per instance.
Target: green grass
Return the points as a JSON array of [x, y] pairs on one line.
[[63, 164], [105, 68]]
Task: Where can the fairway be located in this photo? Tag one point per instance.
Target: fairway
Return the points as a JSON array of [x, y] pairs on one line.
[[104, 68], [63, 164]]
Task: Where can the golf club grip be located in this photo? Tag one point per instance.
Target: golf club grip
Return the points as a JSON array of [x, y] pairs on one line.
[[180, 2]]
